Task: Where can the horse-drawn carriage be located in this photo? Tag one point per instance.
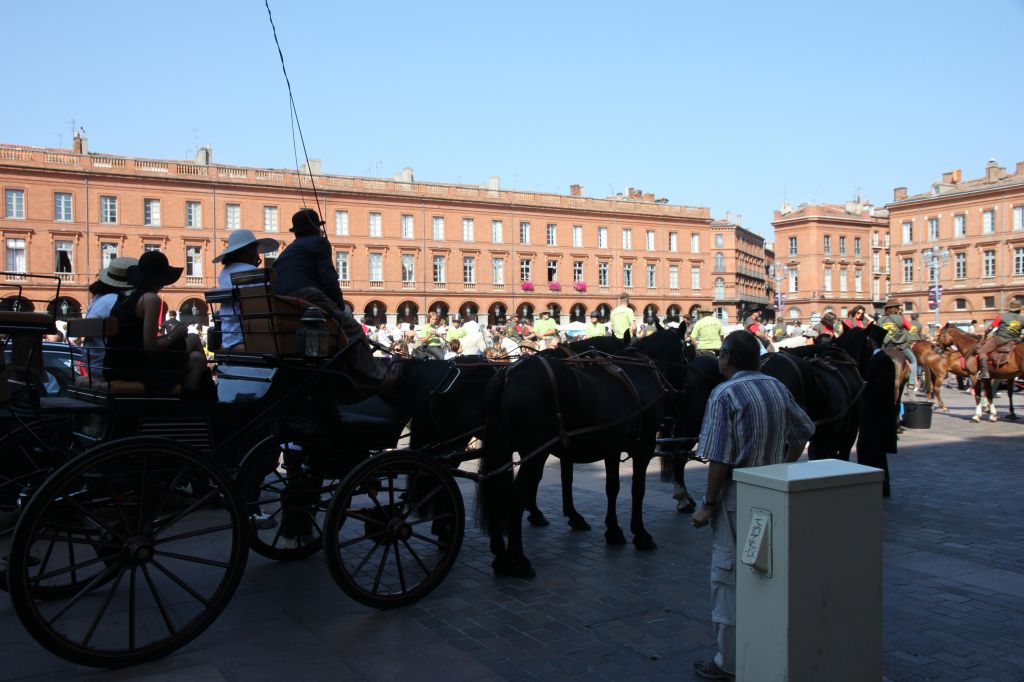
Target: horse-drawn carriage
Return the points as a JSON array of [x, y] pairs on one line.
[[128, 517]]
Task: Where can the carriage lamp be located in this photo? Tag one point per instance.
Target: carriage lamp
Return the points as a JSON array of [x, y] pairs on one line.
[[312, 336]]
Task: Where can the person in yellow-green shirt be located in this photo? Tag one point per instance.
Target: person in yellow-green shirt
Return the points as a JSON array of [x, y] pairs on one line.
[[622, 318], [545, 330], [456, 331], [707, 334], [596, 328]]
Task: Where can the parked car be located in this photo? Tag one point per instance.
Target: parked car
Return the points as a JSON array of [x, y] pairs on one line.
[[61, 362]]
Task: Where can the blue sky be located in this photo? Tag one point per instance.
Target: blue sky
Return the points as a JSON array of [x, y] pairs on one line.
[[732, 105]]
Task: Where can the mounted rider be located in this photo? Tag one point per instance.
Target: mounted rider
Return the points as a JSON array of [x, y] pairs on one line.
[[827, 328], [897, 328], [706, 334], [916, 331], [1008, 327]]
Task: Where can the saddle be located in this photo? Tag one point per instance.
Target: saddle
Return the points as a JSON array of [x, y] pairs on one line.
[[999, 356]]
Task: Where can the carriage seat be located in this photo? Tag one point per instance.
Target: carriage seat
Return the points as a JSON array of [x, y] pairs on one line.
[[12, 322], [268, 320], [371, 412], [105, 328], [24, 332]]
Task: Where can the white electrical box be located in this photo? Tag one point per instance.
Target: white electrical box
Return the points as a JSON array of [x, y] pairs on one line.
[[809, 574]]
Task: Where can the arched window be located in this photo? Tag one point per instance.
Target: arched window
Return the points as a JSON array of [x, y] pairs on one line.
[[719, 262], [408, 312], [719, 288]]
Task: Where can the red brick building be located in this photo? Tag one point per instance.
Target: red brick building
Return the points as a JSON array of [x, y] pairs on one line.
[[980, 223], [402, 247], [831, 257]]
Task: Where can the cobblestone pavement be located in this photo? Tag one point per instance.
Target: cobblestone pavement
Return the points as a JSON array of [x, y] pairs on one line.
[[954, 592]]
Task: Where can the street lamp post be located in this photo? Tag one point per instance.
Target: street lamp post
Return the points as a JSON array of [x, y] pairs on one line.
[[778, 276], [935, 258]]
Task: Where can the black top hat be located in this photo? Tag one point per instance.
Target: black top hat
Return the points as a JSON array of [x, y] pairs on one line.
[[306, 220], [153, 272]]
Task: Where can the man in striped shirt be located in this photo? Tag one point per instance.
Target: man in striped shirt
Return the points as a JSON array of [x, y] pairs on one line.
[[751, 420]]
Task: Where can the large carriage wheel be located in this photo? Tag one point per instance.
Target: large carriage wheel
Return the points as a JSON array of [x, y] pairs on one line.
[[285, 499], [127, 553], [29, 453], [394, 529]]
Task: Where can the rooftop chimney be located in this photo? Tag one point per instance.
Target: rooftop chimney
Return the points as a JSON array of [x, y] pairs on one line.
[[404, 175], [80, 144], [575, 190], [899, 194], [993, 171], [204, 156], [728, 216], [1020, 168], [947, 178], [634, 194], [311, 167], [739, 220], [648, 197], [494, 182]]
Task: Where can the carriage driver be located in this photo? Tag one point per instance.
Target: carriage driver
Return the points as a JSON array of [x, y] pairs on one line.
[[1008, 327], [896, 327], [305, 269]]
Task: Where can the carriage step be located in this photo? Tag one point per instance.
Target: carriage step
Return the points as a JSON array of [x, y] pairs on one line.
[[262, 521]]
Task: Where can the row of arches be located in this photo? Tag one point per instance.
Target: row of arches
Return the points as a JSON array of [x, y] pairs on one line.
[[377, 312], [190, 311]]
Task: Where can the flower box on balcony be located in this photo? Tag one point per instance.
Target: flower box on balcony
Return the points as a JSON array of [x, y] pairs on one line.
[[554, 286], [526, 286], [580, 286]]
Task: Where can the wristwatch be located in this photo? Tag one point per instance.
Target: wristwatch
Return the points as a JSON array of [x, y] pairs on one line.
[[708, 503]]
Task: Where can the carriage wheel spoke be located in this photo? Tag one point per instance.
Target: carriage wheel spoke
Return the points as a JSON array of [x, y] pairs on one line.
[[47, 554], [71, 559], [103, 607], [361, 538], [416, 556], [67, 569], [97, 579], [159, 599], [391, 487], [131, 609], [163, 502], [366, 558], [117, 505], [398, 564], [93, 517], [142, 503], [280, 527], [195, 533], [181, 583], [365, 519], [431, 519], [436, 543], [423, 500], [192, 559], [76, 541], [380, 570], [188, 510]]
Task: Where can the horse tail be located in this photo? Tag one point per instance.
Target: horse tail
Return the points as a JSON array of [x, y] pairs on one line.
[[495, 487]]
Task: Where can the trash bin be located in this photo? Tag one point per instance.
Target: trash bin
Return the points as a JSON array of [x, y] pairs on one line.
[[917, 414]]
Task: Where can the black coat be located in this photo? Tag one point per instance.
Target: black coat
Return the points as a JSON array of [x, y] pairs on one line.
[[880, 410], [307, 262]]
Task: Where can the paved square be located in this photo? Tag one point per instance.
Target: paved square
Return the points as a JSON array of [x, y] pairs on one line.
[[954, 591]]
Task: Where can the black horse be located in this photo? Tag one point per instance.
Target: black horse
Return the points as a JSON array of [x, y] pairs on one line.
[[826, 380], [702, 375], [581, 411]]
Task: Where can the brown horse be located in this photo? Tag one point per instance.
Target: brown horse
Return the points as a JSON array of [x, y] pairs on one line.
[[965, 343], [937, 367], [902, 369]]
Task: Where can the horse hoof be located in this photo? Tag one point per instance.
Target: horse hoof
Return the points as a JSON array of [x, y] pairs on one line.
[[976, 419], [538, 520], [507, 568], [1012, 416], [644, 543], [993, 419], [614, 537], [687, 506], [578, 523]]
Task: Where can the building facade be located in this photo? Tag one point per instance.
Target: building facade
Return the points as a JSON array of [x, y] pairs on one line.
[[401, 247], [738, 270], [830, 258], [977, 229]]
